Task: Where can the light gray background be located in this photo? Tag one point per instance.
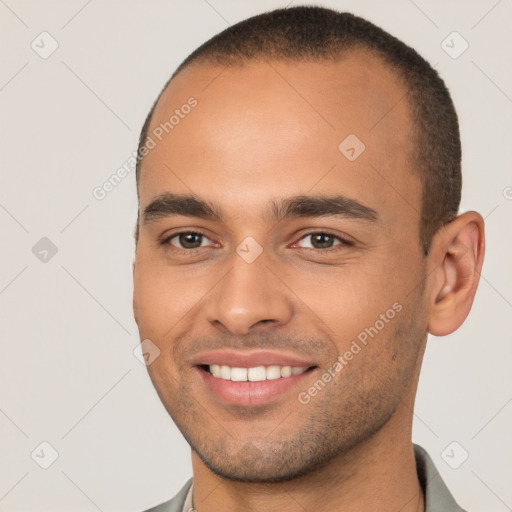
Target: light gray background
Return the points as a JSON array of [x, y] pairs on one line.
[[68, 375]]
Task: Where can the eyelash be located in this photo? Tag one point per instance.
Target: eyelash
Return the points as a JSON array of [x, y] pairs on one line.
[[344, 241], [170, 247]]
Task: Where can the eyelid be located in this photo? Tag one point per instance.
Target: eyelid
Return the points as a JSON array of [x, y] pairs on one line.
[[343, 241], [167, 238]]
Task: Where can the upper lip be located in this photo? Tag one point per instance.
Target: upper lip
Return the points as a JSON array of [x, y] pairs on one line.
[[249, 359]]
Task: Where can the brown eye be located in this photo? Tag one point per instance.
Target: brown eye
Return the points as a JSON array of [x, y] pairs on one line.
[[323, 240], [187, 240]]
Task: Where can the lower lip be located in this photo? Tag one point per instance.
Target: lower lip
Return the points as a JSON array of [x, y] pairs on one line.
[[250, 393]]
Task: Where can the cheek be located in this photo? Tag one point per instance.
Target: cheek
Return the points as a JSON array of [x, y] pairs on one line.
[[366, 311], [386, 357], [153, 305], [162, 298], [352, 298]]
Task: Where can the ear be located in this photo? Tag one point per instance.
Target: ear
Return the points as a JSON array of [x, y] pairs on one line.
[[457, 256]]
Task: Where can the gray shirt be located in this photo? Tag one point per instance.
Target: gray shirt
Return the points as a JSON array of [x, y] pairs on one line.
[[437, 496]]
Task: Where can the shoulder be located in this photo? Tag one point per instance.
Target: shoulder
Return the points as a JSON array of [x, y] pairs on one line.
[[175, 504], [437, 495]]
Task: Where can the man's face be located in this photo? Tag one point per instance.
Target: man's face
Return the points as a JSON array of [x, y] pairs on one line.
[[260, 135]]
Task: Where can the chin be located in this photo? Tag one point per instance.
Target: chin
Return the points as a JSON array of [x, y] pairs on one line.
[[277, 462]]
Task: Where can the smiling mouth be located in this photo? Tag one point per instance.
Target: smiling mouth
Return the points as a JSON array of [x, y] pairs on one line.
[[252, 385], [253, 374]]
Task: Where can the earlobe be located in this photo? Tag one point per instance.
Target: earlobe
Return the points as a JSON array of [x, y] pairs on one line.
[[459, 252]]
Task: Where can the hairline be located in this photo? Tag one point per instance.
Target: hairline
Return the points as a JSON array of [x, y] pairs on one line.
[[230, 61], [240, 62]]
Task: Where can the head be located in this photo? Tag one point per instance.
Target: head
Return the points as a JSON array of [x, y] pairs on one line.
[[301, 209]]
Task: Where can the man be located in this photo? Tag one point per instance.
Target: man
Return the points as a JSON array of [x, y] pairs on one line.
[[298, 238]]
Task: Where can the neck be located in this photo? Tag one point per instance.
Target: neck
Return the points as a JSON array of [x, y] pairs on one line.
[[379, 474]]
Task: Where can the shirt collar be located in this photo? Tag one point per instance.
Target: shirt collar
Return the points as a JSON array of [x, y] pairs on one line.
[[437, 495]]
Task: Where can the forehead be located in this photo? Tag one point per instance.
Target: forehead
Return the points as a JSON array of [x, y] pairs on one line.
[[355, 91], [267, 127]]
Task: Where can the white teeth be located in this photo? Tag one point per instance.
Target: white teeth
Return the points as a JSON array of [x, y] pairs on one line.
[[225, 372], [286, 371], [238, 374], [256, 373], [273, 372]]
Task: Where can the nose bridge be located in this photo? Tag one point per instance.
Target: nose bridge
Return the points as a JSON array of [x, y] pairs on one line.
[[249, 294]]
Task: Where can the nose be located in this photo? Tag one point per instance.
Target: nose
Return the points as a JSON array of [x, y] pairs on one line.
[[249, 296]]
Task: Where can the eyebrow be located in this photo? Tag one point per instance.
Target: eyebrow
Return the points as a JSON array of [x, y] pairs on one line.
[[169, 205]]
